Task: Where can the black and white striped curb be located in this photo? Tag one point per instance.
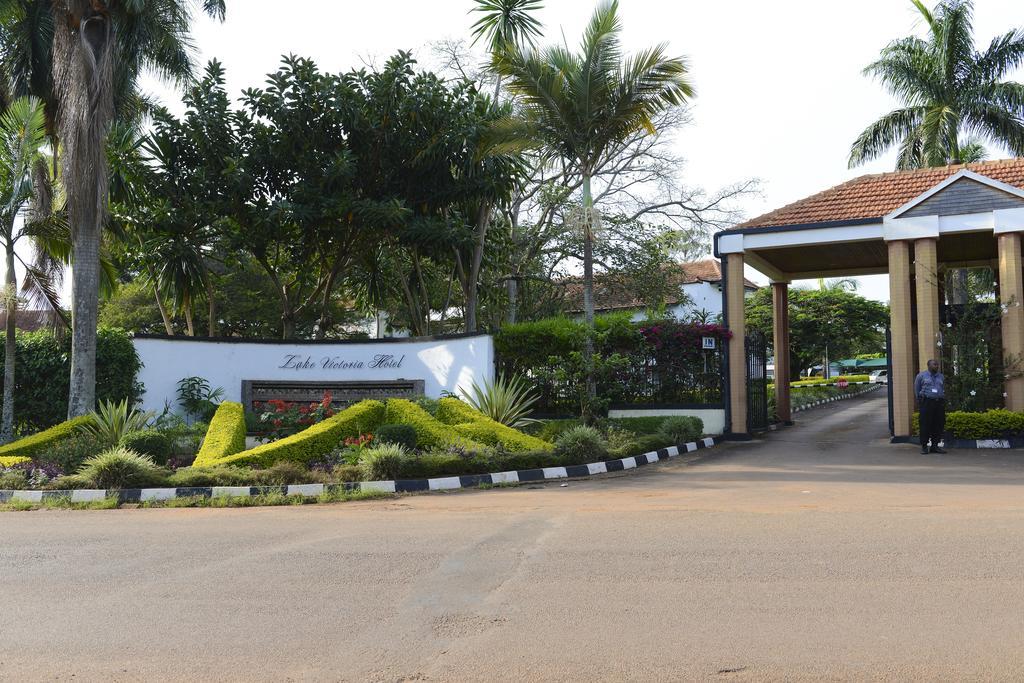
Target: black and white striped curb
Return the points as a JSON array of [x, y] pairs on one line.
[[396, 486], [833, 399], [972, 444]]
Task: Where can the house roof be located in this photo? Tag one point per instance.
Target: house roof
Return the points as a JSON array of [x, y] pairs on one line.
[[873, 196], [31, 320], [611, 294]]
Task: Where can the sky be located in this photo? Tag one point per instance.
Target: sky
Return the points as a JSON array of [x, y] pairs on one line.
[[780, 94]]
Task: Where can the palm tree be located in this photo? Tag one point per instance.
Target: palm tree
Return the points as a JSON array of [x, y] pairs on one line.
[[948, 89], [838, 284], [100, 47], [22, 139], [503, 23], [577, 106]]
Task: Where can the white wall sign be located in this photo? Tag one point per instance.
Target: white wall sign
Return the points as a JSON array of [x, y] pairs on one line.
[[444, 364], [708, 342]]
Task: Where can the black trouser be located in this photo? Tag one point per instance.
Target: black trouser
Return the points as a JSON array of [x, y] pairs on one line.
[[933, 420]]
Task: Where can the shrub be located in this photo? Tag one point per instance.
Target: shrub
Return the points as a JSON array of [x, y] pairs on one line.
[[44, 370], [222, 475], [70, 482], [13, 480], [38, 444], [549, 430], [992, 424], [12, 460], [346, 473], [312, 443], [478, 427], [112, 421], [819, 381], [680, 429], [430, 433], [581, 444], [430, 465], [402, 435], [120, 468], [506, 401], [69, 454], [428, 404], [382, 463], [151, 442], [282, 473], [225, 435], [642, 444], [649, 424]]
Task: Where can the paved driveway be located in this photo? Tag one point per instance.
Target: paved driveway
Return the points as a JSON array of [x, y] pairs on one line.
[[820, 552]]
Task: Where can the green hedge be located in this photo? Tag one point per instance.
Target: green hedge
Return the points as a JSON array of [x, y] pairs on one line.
[[39, 443], [430, 432], [475, 425], [43, 371], [312, 443], [226, 434], [992, 424], [819, 381]]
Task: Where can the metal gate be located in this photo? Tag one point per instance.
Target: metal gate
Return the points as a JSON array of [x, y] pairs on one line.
[[757, 382]]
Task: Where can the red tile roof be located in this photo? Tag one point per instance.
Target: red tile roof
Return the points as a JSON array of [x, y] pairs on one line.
[[874, 196], [610, 293]]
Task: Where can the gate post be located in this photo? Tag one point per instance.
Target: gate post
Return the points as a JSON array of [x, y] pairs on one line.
[[736, 322], [780, 329], [902, 377]]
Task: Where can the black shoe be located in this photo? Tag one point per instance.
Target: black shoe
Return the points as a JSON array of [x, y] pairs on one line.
[[936, 449]]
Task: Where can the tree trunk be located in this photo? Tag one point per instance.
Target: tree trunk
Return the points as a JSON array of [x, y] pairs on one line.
[[211, 307], [82, 70], [85, 287], [168, 327], [483, 221], [512, 287], [190, 329], [588, 291], [11, 292]]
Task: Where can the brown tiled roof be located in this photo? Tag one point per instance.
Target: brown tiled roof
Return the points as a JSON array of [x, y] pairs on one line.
[[610, 293], [874, 196]]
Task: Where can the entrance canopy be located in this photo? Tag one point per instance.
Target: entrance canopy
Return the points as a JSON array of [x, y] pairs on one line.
[[909, 224], [844, 230]]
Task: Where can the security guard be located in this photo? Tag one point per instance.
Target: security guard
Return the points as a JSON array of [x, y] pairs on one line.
[[930, 390]]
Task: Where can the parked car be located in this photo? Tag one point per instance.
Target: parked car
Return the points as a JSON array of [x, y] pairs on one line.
[[879, 377]]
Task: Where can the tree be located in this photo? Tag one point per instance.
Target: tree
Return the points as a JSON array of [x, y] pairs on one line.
[[824, 322], [948, 89], [100, 48], [503, 23], [577, 107], [22, 139]]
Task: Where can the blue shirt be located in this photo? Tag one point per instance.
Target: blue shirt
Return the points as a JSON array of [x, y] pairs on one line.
[[927, 385]]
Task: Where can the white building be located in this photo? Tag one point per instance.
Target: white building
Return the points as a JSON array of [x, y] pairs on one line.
[[696, 290]]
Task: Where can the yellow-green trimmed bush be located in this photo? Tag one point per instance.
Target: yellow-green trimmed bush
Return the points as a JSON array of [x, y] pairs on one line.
[[12, 460], [430, 432], [818, 381], [38, 443], [312, 443], [226, 434], [992, 424], [467, 421]]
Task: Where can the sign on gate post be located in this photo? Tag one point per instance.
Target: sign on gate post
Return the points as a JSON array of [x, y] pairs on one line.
[[708, 343]]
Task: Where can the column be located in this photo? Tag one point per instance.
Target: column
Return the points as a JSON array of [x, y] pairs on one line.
[[780, 333], [902, 337], [737, 346], [1011, 297], [926, 278]]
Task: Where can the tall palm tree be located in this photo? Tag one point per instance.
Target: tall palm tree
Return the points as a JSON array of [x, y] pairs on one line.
[[503, 23], [576, 106], [22, 139], [948, 89], [100, 47]]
